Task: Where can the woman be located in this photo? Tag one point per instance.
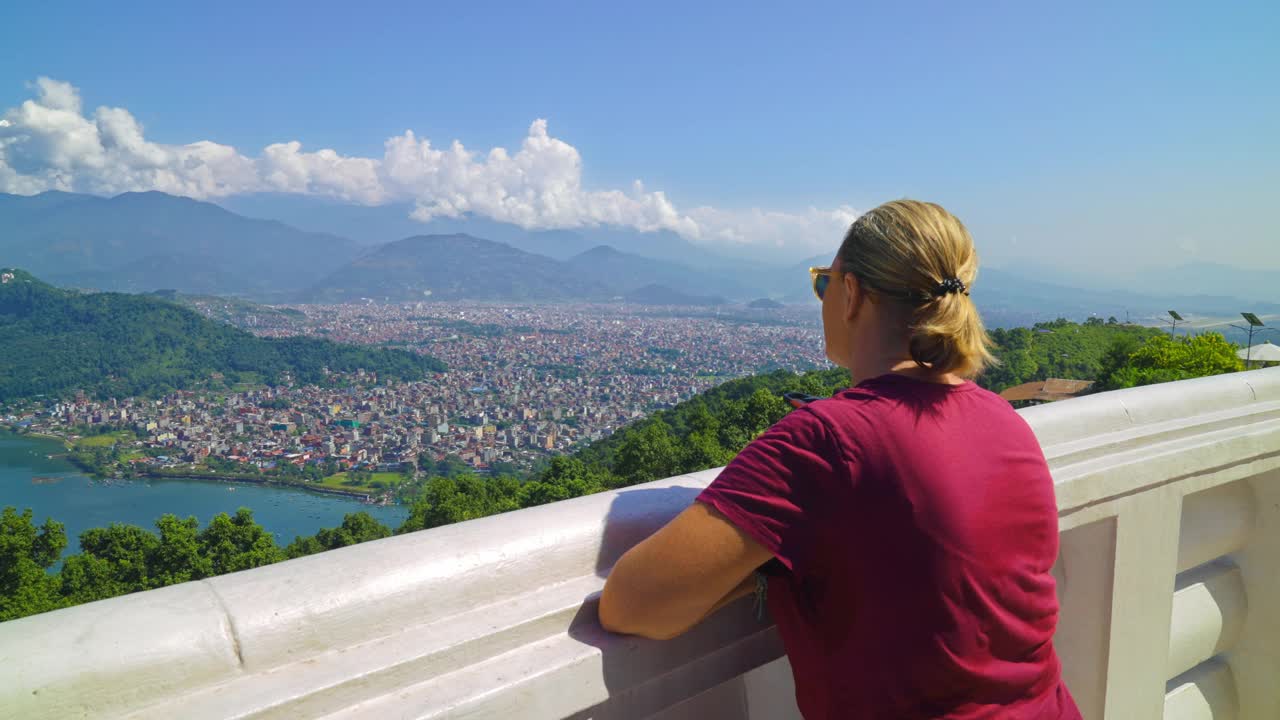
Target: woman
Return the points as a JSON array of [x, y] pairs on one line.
[[908, 523]]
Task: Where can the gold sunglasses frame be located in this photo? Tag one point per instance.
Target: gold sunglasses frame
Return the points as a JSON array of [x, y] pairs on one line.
[[814, 274]]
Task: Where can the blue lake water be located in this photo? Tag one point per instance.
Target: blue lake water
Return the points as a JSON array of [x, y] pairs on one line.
[[54, 488]]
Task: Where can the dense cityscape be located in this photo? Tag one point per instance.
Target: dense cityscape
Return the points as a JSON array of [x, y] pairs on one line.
[[524, 382]]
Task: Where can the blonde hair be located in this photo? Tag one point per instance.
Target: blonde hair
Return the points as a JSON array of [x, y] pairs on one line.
[[913, 252]]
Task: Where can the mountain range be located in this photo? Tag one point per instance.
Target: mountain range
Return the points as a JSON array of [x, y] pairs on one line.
[[138, 242], [142, 241], [386, 223], [454, 267]]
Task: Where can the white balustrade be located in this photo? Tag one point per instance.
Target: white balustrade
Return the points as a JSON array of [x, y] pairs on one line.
[[1169, 501]]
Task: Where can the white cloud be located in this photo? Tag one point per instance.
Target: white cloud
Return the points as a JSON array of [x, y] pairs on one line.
[[48, 143], [813, 230]]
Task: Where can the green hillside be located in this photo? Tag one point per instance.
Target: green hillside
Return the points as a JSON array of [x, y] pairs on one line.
[[110, 344]]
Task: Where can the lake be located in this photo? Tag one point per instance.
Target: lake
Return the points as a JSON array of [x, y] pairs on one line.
[[54, 488]]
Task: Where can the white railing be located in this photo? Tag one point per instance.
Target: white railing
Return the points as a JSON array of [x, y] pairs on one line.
[[1170, 513]]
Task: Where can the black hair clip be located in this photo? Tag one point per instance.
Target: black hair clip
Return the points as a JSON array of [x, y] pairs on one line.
[[950, 285]]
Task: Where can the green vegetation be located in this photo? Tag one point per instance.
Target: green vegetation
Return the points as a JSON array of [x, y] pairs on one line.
[[120, 559], [1164, 359], [371, 483], [109, 344], [1058, 349], [704, 432], [1112, 354], [105, 440]]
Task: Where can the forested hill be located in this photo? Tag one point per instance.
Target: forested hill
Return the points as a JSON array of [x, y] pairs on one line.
[[110, 344], [1092, 350]]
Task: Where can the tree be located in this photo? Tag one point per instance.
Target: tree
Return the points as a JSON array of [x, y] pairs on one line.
[[1165, 359], [763, 409], [441, 503], [355, 528], [450, 466], [702, 450], [237, 543], [564, 478], [177, 558], [25, 554], [1114, 359], [648, 453], [112, 561]]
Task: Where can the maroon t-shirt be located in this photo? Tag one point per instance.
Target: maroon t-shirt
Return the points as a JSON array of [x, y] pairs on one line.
[[914, 525]]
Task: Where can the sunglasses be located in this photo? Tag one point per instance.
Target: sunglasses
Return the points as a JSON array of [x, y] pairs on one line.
[[821, 277]]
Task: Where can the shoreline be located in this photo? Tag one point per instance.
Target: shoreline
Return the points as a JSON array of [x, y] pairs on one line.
[[209, 477], [45, 436], [204, 477]]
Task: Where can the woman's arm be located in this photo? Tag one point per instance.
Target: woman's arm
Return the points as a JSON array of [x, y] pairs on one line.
[[696, 564]]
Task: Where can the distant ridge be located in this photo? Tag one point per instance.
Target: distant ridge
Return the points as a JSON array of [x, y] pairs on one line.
[[137, 242], [387, 223], [454, 267], [151, 240], [629, 272]]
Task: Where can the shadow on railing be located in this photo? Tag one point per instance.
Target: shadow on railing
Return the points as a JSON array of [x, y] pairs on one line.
[[1169, 498]]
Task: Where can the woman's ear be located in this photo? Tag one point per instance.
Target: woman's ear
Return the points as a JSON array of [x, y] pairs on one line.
[[853, 296]]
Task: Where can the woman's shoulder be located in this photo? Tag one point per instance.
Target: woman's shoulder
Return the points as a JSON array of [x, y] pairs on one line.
[[888, 403]]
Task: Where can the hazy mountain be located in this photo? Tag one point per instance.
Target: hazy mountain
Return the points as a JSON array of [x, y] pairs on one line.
[[455, 267], [668, 246], [816, 261], [376, 225], [1250, 285], [191, 274], [1258, 286], [627, 272], [385, 223], [145, 241], [663, 295], [765, 304], [1007, 288]]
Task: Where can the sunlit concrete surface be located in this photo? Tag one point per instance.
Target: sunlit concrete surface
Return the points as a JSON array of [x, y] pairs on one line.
[[1169, 498]]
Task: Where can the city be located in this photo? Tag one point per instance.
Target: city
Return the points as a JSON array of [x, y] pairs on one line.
[[525, 382]]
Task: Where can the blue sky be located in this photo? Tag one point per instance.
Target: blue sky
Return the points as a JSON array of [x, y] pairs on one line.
[[1070, 135]]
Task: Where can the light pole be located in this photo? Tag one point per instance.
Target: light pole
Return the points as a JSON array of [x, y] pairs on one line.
[[1173, 324], [1254, 325]]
